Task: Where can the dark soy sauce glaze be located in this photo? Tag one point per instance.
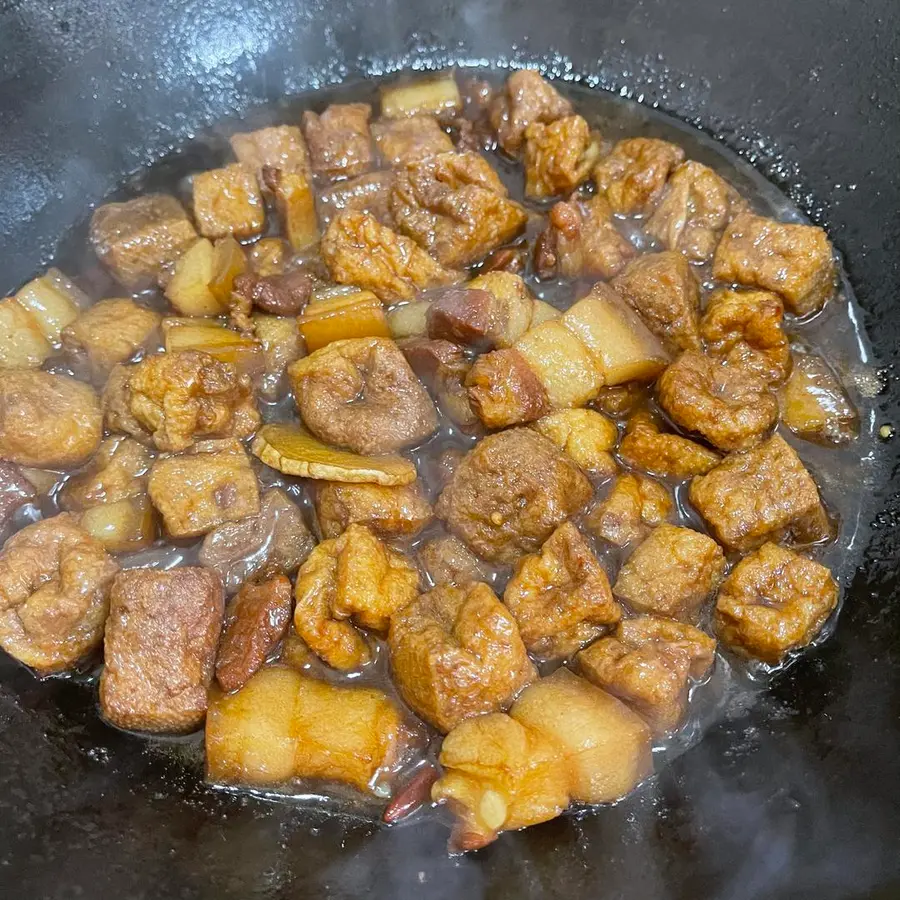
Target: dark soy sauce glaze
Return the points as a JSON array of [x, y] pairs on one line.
[[835, 333]]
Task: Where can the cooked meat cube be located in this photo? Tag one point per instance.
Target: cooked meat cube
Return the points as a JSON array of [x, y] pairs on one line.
[[202, 278], [731, 407], [255, 621], [561, 597], [53, 301], [634, 174], [455, 653], [138, 239], [633, 506], [443, 367], [437, 94], [228, 201], [15, 491], [176, 398], [586, 436], [268, 256], [281, 345], [762, 495], [280, 295], [672, 572], [210, 483], [814, 404], [295, 203], [117, 471], [281, 147], [370, 193], [390, 512], [362, 394], [283, 725], [558, 156], [510, 492], [694, 210], [663, 291], [238, 348], [621, 399], [339, 141], [746, 330], [794, 261], [513, 260], [404, 141], [22, 343], [647, 663], [360, 251], [498, 776], [526, 98], [581, 241], [354, 576], [447, 560], [48, 421], [606, 745], [160, 648], [54, 594], [516, 308], [455, 206], [111, 332], [774, 601], [275, 541], [647, 448], [504, 390]]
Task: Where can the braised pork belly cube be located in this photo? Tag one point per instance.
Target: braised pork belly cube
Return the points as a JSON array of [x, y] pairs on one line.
[[54, 302], [774, 601], [695, 208], [672, 572], [203, 487], [228, 201], [504, 390], [634, 175], [447, 560], [404, 141], [295, 203], [48, 421], [729, 406], [443, 367], [764, 494], [390, 512], [359, 250], [815, 405], [369, 193], [456, 653], [279, 146], [281, 345], [794, 261], [54, 594], [632, 507], [648, 663], [22, 344], [585, 435], [561, 597], [278, 294], [352, 577], [527, 98], [510, 492], [339, 140], [137, 240], [435, 94], [647, 447], [558, 156]]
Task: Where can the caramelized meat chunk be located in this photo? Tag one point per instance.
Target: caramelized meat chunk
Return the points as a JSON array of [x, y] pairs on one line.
[[774, 601], [526, 99], [280, 147], [390, 512], [561, 597], [137, 240], [255, 621], [558, 156], [731, 407], [444, 367], [176, 398], [359, 250], [504, 390], [160, 648], [694, 210], [672, 572], [47, 421], [447, 560], [648, 663], [228, 201], [207, 485], [354, 576], [112, 332], [369, 193], [404, 141], [275, 541], [765, 494], [814, 404], [586, 436], [633, 506], [510, 492], [455, 207], [54, 594], [283, 294], [362, 394], [663, 291], [746, 330], [281, 345], [295, 203], [634, 174], [15, 491], [793, 261], [455, 653], [22, 343], [649, 449], [339, 140]]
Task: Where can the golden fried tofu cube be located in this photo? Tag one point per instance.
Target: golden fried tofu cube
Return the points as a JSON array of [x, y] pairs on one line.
[[645, 446], [558, 156], [633, 506], [391, 512], [22, 343], [228, 201]]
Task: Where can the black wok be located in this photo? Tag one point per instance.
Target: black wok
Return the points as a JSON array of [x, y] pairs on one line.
[[796, 797]]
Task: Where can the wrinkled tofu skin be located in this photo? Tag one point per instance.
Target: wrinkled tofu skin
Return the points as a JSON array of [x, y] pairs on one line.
[[558, 156], [339, 140], [647, 448], [390, 512], [361, 394], [447, 560], [633, 176], [456, 652], [354, 576], [632, 507], [585, 435], [560, 597], [815, 405], [54, 594], [526, 99], [402, 142]]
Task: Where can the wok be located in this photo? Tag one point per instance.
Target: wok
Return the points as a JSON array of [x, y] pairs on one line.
[[796, 797]]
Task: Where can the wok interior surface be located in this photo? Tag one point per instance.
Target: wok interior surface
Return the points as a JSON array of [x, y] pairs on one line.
[[791, 797]]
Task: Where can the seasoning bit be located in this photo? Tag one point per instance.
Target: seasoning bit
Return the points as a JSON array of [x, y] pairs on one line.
[[887, 432]]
